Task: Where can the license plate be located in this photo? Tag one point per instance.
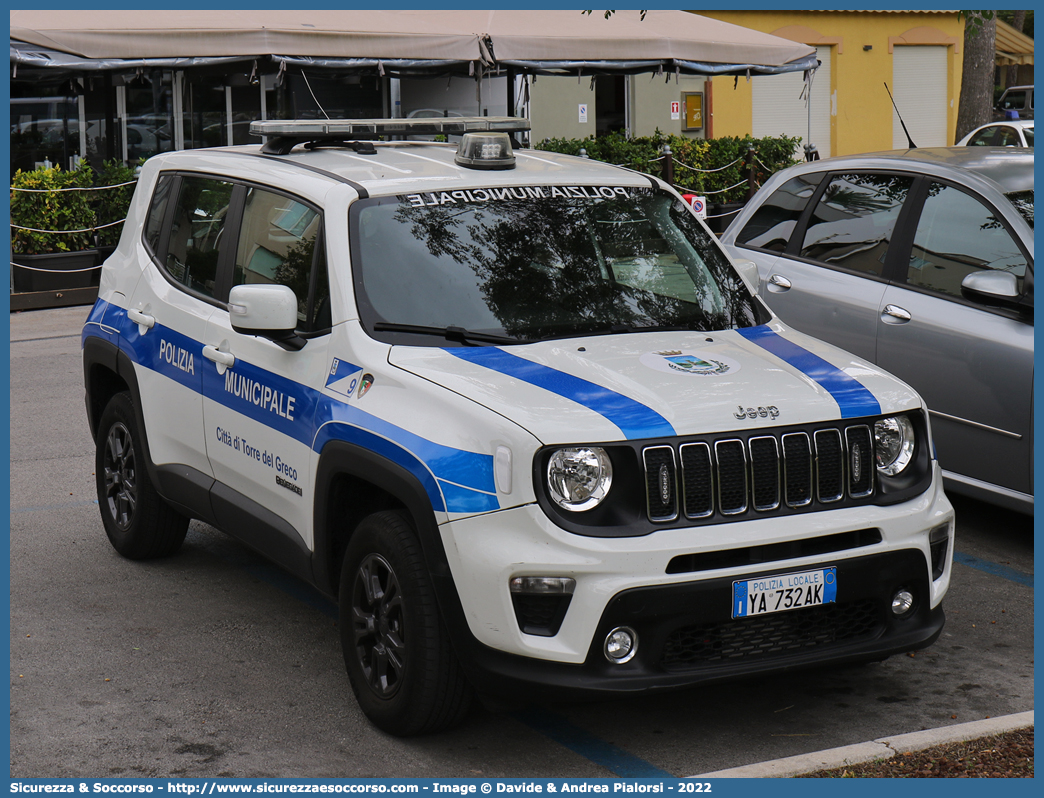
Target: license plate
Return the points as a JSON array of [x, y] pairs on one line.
[[783, 592]]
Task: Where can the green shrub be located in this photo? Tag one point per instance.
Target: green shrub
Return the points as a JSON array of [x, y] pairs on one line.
[[112, 204], [644, 155], [47, 207]]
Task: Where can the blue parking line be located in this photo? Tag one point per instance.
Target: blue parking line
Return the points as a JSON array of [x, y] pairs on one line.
[[995, 569], [588, 746]]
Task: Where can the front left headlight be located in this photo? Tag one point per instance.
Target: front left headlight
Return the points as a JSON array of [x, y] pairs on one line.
[[579, 478], [895, 442]]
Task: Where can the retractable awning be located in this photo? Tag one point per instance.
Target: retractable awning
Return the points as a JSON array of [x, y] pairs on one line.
[[411, 42]]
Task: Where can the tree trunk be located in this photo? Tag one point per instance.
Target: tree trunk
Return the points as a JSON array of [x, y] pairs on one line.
[[976, 102], [1018, 22]]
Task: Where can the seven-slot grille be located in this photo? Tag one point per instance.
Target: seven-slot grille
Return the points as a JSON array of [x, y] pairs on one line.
[[761, 472]]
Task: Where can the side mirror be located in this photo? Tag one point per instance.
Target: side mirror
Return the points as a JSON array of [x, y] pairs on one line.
[[269, 311], [991, 287], [748, 270]]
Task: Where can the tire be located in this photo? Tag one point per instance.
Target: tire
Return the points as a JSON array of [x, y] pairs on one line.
[[139, 523], [401, 665]]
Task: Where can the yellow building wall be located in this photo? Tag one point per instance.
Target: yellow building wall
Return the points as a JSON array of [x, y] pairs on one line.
[[862, 114]]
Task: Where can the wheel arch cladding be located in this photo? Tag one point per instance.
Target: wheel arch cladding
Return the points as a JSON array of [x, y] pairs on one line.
[[353, 482]]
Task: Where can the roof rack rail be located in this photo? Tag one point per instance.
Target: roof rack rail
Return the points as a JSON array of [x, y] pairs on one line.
[[286, 134]]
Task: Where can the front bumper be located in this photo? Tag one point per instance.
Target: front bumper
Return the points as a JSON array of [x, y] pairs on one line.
[[686, 635], [683, 620]]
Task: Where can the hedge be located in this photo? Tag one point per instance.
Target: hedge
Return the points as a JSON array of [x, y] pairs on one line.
[[644, 153]]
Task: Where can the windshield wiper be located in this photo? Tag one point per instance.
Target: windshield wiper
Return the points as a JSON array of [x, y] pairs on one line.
[[450, 333]]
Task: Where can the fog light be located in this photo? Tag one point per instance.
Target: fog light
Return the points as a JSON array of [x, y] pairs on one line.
[[621, 645], [902, 603]]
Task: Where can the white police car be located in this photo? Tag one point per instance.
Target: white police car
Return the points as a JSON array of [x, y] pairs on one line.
[[517, 412]]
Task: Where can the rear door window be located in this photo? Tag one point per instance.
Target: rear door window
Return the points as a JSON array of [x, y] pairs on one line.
[[854, 220], [774, 221], [197, 233]]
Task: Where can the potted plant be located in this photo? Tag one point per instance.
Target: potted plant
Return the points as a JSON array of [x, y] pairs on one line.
[[40, 209]]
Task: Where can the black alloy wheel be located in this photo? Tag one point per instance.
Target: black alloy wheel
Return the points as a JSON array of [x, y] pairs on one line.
[[139, 523], [397, 651], [119, 473], [377, 623]]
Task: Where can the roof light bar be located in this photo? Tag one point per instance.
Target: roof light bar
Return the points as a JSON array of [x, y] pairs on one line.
[[314, 129]]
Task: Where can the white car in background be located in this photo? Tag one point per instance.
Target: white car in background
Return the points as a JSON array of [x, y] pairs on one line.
[[1013, 133]]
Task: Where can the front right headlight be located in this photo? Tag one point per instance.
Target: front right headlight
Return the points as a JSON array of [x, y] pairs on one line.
[[894, 444], [579, 478]]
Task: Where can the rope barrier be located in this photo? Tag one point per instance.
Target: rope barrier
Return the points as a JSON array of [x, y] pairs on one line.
[[708, 171], [85, 230], [716, 191], [74, 188], [54, 271], [727, 213]]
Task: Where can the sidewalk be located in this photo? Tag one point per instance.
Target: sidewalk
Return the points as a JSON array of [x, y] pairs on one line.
[[881, 748]]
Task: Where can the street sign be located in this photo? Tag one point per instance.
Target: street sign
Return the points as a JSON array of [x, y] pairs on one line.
[[699, 204]]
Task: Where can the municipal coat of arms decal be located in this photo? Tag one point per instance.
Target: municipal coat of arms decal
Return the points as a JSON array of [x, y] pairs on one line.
[[702, 363]]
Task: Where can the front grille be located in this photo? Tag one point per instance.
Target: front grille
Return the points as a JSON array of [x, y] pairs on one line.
[[759, 474], [771, 635]]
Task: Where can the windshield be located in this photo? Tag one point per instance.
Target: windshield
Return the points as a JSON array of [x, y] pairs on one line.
[[1023, 202], [1028, 133], [528, 263]]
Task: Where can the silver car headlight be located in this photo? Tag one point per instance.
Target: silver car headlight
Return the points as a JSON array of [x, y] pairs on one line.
[[894, 444], [579, 477]]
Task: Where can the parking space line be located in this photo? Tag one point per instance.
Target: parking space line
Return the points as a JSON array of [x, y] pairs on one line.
[[995, 569], [582, 742]]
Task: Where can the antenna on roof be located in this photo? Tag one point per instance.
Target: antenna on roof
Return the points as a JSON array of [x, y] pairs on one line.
[[901, 122]]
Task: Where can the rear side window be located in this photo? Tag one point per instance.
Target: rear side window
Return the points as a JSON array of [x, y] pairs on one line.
[[278, 245], [773, 222], [853, 222], [196, 233], [157, 210]]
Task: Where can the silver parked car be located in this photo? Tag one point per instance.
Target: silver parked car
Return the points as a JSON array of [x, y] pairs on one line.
[[922, 262]]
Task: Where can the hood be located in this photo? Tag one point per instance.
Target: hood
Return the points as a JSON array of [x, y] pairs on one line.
[[656, 385]]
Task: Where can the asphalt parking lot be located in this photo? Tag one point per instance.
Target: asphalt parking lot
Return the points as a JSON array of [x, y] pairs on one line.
[[213, 663]]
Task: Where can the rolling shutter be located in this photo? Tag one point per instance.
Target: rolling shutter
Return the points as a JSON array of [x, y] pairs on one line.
[[919, 78], [779, 109]]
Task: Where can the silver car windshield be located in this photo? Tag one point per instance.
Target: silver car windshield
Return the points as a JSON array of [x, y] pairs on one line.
[[529, 263]]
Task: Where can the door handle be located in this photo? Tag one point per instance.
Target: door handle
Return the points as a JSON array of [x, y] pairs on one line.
[[777, 283], [223, 360], [893, 314], [143, 320]]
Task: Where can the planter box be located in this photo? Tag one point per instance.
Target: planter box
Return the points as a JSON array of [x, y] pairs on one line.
[[60, 271]]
